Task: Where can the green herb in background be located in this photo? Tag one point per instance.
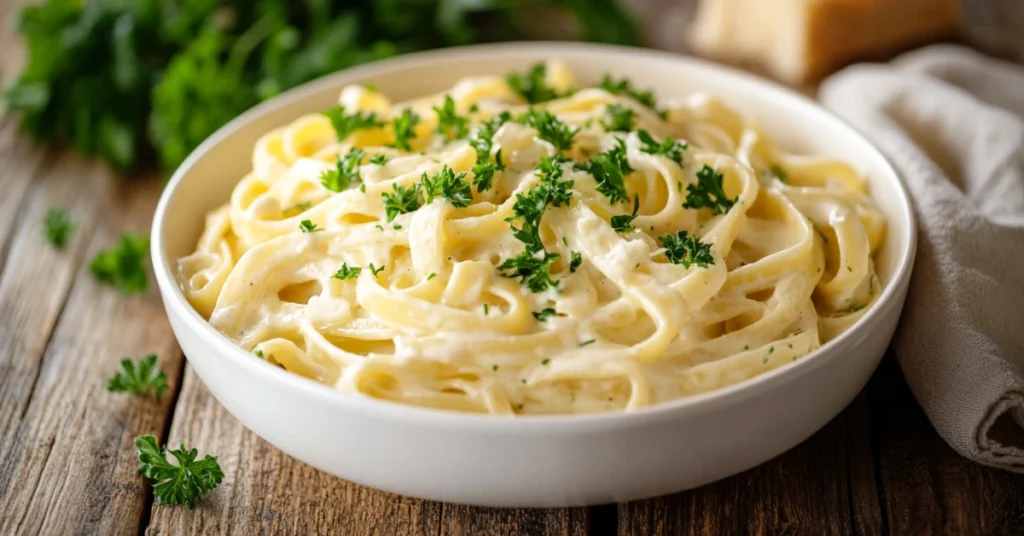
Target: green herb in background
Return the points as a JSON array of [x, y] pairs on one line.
[[139, 378], [58, 227], [184, 483], [123, 266], [127, 81]]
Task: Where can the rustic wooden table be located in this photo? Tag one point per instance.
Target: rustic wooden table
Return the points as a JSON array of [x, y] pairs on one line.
[[68, 464]]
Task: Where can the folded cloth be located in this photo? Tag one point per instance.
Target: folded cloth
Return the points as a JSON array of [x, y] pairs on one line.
[[952, 123]]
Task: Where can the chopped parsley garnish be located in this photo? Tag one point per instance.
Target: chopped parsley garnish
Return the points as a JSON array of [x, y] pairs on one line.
[[545, 361], [545, 313], [550, 128], [346, 170], [575, 262], [404, 127], [401, 200], [450, 124], [380, 159], [483, 172], [624, 87], [549, 170], [184, 483], [609, 170], [779, 173], [307, 226], [588, 341], [398, 227], [347, 272], [446, 184], [141, 378], [123, 266], [345, 124], [686, 249], [668, 147], [494, 367], [58, 227], [431, 276], [622, 223], [486, 309], [854, 308], [532, 85], [533, 271], [297, 208], [374, 269], [617, 118], [259, 354], [708, 192]]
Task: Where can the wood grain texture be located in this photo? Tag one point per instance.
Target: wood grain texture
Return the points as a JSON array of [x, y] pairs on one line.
[[467, 520], [811, 489], [267, 492], [68, 461], [928, 487]]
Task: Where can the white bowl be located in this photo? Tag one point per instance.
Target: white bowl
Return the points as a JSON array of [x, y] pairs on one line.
[[540, 461]]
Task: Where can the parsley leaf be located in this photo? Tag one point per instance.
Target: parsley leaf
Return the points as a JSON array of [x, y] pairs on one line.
[[184, 483], [609, 170], [347, 272], [668, 147], [483, 139], [448, 185], [532, 270], [297, 208], [404, 127], [450, 124], [401, 200], [625, 87], [532, 85], [58, 227], [575, 262], [123, 266], [545, 314], [345, 124], [483, 172], [708, 192], [307, 226], [139, 379], [380, 159], [345, 171], [779, 173], [557, 192], [617, 118], [374, 270], [622, 223], [550, 128], [686, 249], [530, 206]]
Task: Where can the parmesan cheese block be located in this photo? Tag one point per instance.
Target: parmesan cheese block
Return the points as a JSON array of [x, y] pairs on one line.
[[803, 40]]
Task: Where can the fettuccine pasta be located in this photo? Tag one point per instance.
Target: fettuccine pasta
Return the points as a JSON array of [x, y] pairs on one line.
[[523, 246]]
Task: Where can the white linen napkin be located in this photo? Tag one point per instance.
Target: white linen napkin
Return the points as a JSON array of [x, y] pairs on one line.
[[952, 123]]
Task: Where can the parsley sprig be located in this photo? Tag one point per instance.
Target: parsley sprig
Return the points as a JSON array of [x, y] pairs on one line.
[[345, 124], [617, 118], [347, 272], [450, 124], [708, 192], [141, 378], [533, 85], [686, 249], [401, 200], [446, 184], [575, 260], [533, 269], [404, 127], [58, 226], [550, 128], [308, 226], [482, 141], [623, 223], [609, 170], [123, 266], [346, 170], [668, 147], [380, 159], [544, 314], [183, 483], [625, 87], [483, 172]]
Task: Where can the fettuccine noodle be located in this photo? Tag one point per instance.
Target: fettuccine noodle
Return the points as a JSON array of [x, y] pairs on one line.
[[430, 319]]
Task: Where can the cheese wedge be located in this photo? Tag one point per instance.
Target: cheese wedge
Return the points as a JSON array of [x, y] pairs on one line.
[[803, 40]]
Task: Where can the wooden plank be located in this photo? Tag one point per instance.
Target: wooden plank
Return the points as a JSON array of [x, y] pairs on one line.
[[22, 163], [468, 521], [68, 461], [823, 486], [267, 492], [927, 487]]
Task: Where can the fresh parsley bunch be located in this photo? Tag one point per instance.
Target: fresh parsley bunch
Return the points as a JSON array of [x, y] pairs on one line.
[[125, 81]]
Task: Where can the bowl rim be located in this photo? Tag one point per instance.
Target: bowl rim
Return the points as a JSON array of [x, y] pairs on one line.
[[176, 303]]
